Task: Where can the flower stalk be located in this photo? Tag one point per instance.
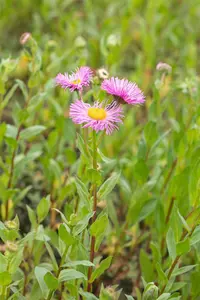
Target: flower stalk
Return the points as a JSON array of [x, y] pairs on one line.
[[92, 246]]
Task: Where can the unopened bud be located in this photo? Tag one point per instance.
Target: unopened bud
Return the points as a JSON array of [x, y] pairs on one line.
[[102, 73], [150, 292], [13, 224], [24, 38], [161, 66], [12, 247]]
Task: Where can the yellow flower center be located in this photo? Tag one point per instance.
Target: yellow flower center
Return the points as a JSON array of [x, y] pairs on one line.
[[97, 113], [77, 81]]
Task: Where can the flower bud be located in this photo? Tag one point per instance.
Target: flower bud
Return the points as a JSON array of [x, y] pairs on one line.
[[80, 42], [161, 66], [11, 247], [24, 38], [13, 224], [150, 292], [109, 293], [102, 73]]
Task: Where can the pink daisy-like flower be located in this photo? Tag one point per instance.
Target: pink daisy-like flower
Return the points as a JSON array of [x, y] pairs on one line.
[[76, 80], [123, 90], [96, 117]]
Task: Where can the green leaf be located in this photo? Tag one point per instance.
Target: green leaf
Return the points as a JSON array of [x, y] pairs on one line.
[[94, 176], [147, 209], [82, 224], [183, 270], [65, 235], [129, 297], [88, 296], [195, 238], [83, 148], [162, 276], [23, 88], [43, 209], [22, 194], [108, 186], [62, 215], [183, 221], [5, 278], [155, 252], [3, 263], [32, 217], [40, 272], [104, 265], [55, 168], [11, 131], [99, 226], [146, 266], [15, 261], [164, 296], [2, 131], [51, 254], [177, 286], [70, 274], [32, 131], [150, 133], [141, 171], [183, 247], [8, 96], [82, 190], [171, 243], [51, 281], [85, 263]]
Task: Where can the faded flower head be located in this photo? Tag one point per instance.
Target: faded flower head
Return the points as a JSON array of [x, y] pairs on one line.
[[161, 66], [76, 80], [123, 90], [96, 117]]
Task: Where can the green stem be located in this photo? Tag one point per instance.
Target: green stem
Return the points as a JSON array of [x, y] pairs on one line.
[[92, 246]]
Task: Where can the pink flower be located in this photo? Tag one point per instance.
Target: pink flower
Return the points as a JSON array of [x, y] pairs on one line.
[[123, 90], [75, 81], [96, 117]]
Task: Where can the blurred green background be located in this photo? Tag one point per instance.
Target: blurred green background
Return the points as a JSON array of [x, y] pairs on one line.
[[127, 38]]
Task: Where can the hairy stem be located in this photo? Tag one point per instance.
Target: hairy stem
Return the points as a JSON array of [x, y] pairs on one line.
[[167, 220], [12, 170], [10, 180], [169, 176], [92, 246]]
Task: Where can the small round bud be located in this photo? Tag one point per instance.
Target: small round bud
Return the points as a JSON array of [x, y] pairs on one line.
[[24, 38], [102, 73], [13, 224], [11, 247], [161, 66]]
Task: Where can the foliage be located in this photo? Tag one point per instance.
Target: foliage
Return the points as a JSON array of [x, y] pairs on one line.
[[148, 188]]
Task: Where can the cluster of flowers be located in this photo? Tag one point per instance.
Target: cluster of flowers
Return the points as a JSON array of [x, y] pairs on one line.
[[99, 116]]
